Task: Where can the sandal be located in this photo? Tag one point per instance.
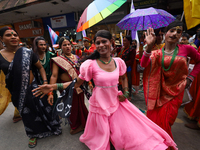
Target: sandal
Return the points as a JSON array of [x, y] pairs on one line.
[[79, 129], [32, 141], [16, 119]]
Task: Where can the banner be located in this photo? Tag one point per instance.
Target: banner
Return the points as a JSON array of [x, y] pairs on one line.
[[58, 22], [190, 22]]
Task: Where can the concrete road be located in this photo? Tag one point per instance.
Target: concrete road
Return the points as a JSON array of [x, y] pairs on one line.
[[13, 136]]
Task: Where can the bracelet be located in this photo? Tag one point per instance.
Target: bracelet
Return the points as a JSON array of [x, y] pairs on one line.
[[59, 86], [144, 47], [125, 88], [50, 93], [146, 54], [45, 80], [126, 95]]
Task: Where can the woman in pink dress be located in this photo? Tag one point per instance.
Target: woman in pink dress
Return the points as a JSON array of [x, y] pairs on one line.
[[111, 116]]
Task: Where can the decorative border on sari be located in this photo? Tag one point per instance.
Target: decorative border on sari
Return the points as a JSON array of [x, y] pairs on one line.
[[64, 64], [25, 75], [26, 53]]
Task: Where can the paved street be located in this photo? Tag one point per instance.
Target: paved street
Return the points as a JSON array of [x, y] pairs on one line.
[[13, 137]]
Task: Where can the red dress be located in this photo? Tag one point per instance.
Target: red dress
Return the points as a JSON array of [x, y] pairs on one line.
[[163, 90]]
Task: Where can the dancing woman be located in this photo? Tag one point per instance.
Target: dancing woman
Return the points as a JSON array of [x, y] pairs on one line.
[[111, 116], [20, 66], [166, 75], [65, 68], [44, 55]]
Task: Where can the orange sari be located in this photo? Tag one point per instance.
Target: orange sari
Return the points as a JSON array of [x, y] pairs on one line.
[[192, 109], [163, 90]]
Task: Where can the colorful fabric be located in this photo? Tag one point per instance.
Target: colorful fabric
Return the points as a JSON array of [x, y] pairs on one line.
[[5, 96], [97, 11], [156, 79], [47, 69], [110, 119], [165, 116], [46, 66], [79, 53], [163, 90], [79, 111], [142, 19], [135, 74], [53, 36], [36, 112], [159, 46], [188, 12], [192, 109], [128, 55]]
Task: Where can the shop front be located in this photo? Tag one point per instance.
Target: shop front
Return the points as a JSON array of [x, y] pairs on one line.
[[28, 30]]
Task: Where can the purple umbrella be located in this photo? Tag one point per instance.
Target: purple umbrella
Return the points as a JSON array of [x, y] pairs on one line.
[[142, 19]]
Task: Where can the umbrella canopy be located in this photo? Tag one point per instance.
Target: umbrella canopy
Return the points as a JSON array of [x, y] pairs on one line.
[[97, 11], [142, 19]]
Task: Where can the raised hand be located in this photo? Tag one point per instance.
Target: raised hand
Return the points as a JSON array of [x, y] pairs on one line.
[[42, 90], [150, 38]]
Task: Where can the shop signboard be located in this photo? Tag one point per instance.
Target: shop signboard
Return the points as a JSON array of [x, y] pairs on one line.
[[30, 28], [58, 22]]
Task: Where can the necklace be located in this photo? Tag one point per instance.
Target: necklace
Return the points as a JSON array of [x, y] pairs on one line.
[[169, 52], [43, 61], [71, 56], [172, 60], [11, 51], [105, 62]]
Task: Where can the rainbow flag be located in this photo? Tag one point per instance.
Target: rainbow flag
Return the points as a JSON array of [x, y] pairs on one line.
[[53, 36]]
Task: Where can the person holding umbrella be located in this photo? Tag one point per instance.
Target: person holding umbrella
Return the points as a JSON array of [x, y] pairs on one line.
[[166, 75], [111, 116]]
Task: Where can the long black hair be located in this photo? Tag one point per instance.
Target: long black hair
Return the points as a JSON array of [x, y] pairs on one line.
[[129, 38], [101, 33], [63, 39], [35, 44], [3, 30], [175, 24]]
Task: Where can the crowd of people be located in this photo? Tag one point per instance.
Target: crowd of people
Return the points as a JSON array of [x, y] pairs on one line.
[[166, 58]]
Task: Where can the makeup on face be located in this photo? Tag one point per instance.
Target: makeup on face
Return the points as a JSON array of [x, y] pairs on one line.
[[66, 47], [103, 45]]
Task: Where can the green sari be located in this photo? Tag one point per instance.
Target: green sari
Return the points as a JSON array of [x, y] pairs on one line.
[[46, 65]]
